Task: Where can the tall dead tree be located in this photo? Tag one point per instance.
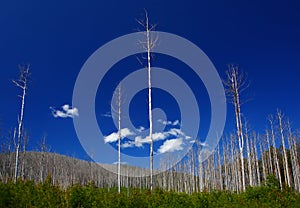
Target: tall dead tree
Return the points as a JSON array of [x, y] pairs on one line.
[[117, 110], [285, 159], [149, 100], [22, 83], [148, 46], [119, 139], [235, 85]]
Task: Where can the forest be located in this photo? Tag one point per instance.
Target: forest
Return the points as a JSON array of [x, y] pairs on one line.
[[246, 169]]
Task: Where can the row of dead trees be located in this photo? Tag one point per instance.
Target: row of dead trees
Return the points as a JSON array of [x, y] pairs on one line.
[[264, 154], [276, 152]]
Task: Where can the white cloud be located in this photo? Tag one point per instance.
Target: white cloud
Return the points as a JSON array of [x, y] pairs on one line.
[[66, 112], [178, 133], [171, 145], [139, 141], [113, 137], [175, 123], [170, 123], [127, 144], [126, 132], [158, 136]]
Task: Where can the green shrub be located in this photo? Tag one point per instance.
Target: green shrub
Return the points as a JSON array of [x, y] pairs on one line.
[[29, 194]]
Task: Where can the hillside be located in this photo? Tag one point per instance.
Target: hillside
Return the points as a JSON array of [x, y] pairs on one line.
[[64, 170]]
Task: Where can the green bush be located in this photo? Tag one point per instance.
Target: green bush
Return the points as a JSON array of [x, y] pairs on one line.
[[272, 182], [29, 194]]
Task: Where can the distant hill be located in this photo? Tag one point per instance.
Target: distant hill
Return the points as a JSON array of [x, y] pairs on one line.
[[65, 170]]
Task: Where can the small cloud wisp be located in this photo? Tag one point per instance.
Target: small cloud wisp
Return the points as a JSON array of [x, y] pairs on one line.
[[66, 112]]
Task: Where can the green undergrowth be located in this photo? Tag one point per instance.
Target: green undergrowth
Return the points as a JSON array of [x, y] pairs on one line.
[[28, 194]]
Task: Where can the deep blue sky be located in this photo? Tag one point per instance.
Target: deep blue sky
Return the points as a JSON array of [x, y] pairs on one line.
[[57, 37]]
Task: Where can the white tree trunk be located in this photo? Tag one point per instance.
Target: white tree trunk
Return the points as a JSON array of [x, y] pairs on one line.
[[278, 173], [119, 140], [256, 161], [235, 84], [248, 157], [270, 155], [22, 83], [263, 162], [285, 165], [149, 46]]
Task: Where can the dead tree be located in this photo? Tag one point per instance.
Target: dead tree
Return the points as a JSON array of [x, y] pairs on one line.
[[226, 159], [44, 149], [25, 143], [235, 84], [248, 156], [270, 154], [148, 46], [221, 187], [263, 162], [200, 169], [256, 159], [119, 139], [294, 158], [278, 174], [22, 82], [285, 159]]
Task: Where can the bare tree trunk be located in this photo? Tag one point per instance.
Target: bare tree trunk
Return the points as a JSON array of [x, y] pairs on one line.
[[270, 155], [238, 171], [148, 46], [235, 83], [278, 173], [22, 83], [220, 169], [285, 165], [119, 140], [248, 156], [25, 142], [193, 164], [263, 162], [256, 161], [200, 172], [294, 159], [43, 147], [226, 165], [213, 171], [234, 171]]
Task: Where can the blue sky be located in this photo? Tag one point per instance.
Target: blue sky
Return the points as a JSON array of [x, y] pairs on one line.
[[56, 38]]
